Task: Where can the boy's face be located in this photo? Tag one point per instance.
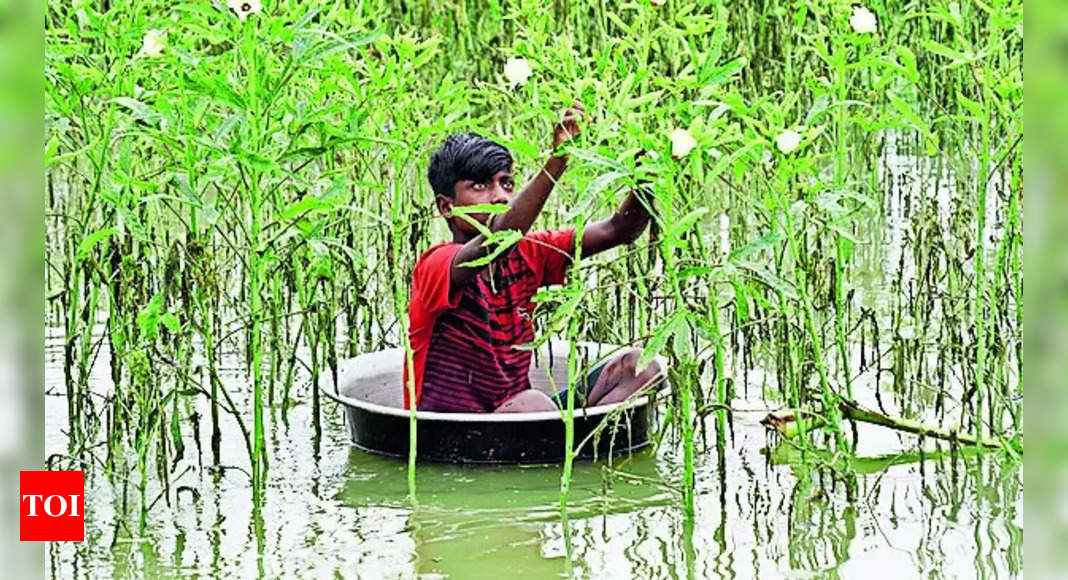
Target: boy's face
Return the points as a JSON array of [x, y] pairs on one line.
[[498, 189]]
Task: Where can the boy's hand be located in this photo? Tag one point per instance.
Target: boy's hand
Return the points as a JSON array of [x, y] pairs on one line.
[[568, 127]]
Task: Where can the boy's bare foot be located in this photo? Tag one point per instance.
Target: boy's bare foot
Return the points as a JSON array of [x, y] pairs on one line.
[[620, 379]]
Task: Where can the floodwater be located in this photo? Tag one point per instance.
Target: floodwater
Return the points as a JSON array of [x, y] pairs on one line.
[[760, 511], [757, 514]]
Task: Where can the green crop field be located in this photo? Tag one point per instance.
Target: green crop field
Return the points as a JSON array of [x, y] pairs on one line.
[[237, 195]]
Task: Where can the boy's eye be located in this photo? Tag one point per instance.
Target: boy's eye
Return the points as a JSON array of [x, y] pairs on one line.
[[478, 186], [508, 184]]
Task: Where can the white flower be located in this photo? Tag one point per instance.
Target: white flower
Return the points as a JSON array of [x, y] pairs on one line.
[[245, 7], [657, 2], [863, 21], [681, 143], [154, 43], [787, 141], [517, 71]]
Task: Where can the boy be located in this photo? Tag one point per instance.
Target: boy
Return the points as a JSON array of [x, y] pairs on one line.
[[466, 321]]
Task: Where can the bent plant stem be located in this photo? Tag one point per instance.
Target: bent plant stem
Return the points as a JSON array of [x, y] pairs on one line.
[[856, 412], [788, 425]]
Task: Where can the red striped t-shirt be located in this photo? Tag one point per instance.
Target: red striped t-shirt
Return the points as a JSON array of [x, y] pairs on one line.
[[463, 340]]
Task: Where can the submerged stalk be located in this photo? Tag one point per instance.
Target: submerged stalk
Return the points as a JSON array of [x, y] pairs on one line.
[[573, 380]]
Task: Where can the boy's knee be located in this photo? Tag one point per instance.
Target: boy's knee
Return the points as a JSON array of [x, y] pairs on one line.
[[528, 401]]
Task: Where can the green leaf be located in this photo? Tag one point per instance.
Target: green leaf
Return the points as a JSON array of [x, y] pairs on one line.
[[741, 300], [635, 102], [50, 149], [181, 180], [704, 329], [735, 159], [311, 53], [131, 222], [958, 58], [176, 431], [681, 342], [170, 320], [464, 213], [665, 331], [596, 159], [843, 232], [482, 229], [490, 208], [721, 73], [602, 181], [141, 111], [769, 240], [523, 148], [685, 223], [226, 126], [256, 161], [321, 264], [307, 205], [971, 106], [906, 111], [693, 272], [148, 318], [561, 316], [770, 279], [819, 105], [908, 60], [828, 201], [501, 241], [217, 88], [622, 25], [90, 241]]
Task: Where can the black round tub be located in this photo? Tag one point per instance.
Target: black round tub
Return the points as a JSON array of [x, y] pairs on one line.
[[368, 387]]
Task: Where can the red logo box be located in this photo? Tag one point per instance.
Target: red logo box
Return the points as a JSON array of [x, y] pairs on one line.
[[51, 506]]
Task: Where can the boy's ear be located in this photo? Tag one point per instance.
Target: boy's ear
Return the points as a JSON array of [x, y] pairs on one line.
[[444, 206]]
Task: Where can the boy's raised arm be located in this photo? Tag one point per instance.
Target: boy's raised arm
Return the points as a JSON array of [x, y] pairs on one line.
[[526, 205], [625, 225]]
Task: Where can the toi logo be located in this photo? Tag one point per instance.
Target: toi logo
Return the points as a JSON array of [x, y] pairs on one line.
[[51, 506]]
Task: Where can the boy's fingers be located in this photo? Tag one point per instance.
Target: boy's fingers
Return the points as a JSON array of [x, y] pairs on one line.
[[577, 108]]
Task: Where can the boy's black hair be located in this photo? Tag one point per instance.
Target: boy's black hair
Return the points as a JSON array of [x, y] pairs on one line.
[[466, 156]]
